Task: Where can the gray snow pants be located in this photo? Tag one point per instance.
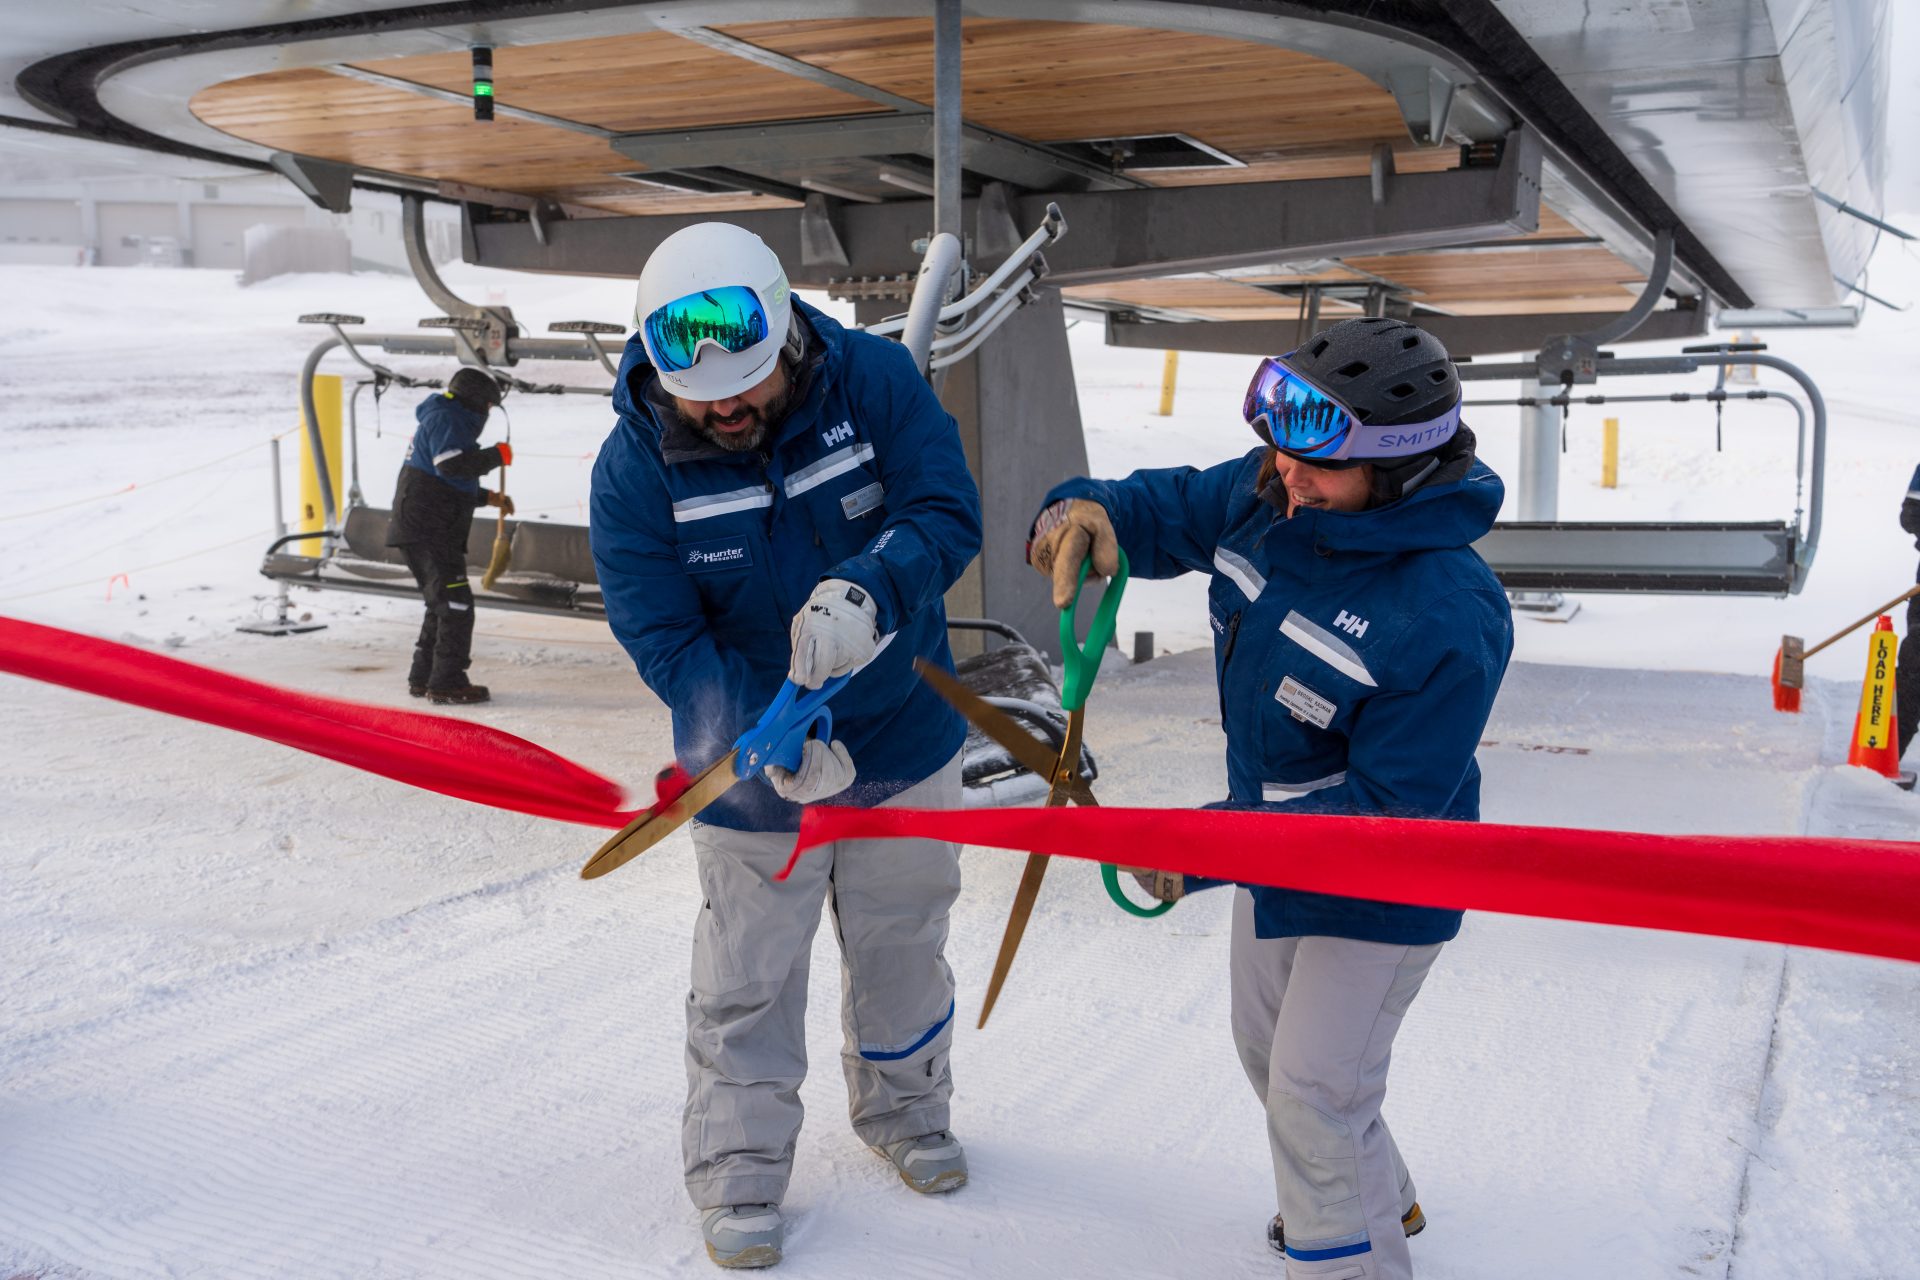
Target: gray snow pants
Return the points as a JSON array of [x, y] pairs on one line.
[[746, 1014], [1314, 1021]]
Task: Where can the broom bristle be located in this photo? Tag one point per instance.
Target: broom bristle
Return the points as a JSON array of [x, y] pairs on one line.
[[502, 554], [1786, 697]]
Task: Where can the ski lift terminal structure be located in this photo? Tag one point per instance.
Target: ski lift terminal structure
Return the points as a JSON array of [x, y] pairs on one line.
[[1222, 177]]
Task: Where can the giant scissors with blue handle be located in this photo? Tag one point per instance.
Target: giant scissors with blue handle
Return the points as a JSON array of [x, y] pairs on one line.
[[778, 738]]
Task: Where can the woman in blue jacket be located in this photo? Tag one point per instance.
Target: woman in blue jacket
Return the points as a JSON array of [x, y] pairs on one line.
[[1359, 642]]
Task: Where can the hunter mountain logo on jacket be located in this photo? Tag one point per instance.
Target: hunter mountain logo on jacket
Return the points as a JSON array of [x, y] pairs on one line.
[[721, 553]]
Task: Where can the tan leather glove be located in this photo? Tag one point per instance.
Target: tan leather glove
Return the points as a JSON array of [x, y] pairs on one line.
[[1167, 886], [1063, 539], [500, 500]]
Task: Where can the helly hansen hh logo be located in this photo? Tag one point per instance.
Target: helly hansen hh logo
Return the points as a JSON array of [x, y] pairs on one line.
[[842, 432], [1351, 623]]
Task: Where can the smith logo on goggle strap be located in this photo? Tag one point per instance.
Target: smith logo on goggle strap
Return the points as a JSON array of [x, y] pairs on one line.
[[731, 318], [1293, 415]]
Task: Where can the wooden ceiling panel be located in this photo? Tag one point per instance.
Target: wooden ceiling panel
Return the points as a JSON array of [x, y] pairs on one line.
[[1455, 280], [635, 83], [315, 112], [1289, 115], [1056, 81]]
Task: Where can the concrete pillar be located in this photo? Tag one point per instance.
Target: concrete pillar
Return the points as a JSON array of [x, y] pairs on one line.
[[1019, 417], [186, 233], [90, 228]]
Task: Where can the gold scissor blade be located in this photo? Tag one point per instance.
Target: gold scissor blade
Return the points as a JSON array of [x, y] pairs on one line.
[[1023, 900], [655, 825], [1027, 751]]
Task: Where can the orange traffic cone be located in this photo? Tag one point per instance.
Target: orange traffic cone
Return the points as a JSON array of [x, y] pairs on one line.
[[1874, 736]]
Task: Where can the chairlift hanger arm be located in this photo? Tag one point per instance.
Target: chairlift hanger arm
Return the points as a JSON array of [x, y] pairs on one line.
[[1051, 228]]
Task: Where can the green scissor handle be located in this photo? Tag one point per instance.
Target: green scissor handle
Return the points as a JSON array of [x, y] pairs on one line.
[[1110, 877], [1083, 662], [1082, 665]]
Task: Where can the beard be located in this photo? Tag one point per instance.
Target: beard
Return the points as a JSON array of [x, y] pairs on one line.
[[751, 433]]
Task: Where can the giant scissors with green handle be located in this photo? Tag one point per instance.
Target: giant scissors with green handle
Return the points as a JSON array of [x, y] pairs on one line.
[[1062, 772]]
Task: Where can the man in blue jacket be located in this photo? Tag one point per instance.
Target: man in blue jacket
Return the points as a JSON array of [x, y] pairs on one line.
[[1359, 642], [433, 506], [783, 498]]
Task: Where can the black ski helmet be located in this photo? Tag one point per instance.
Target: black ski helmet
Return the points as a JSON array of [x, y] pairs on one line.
[[476, 389], [1387, 371]]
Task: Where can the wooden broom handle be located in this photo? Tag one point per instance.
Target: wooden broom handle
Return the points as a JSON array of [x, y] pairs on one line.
[[1908, 594]]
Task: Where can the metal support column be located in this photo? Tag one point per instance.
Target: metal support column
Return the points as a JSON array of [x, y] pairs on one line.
[[946, 120], [282, 624], [1539, 478], [1539, 491]]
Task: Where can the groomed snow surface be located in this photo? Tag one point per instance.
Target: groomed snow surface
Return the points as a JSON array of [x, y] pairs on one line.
[[268, 1017]]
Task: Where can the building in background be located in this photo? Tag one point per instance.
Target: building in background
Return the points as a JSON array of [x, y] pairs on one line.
[[116, 220]]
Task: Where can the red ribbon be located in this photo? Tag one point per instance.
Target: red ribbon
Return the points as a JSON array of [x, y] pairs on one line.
[[1844, 895], [454, 757]]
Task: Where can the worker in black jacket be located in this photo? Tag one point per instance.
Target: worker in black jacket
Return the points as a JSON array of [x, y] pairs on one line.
[[1906, 667], [433, 506]]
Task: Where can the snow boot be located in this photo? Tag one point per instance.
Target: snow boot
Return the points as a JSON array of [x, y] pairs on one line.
[[1413, 1222], [465, 695], [416, 690], [930, 1164], [743, 1235]]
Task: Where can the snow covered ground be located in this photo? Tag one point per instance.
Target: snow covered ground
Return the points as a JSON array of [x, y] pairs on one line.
[[270, 1017]]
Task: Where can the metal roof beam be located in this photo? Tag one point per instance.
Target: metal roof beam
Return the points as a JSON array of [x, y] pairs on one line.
[[1462, 335], [1117, 235]]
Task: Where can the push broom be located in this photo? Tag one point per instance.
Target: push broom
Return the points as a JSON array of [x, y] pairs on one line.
[[1790, 663], [502, 549]]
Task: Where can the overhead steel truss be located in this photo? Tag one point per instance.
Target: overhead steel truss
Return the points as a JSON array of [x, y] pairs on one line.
[[1118, 235]]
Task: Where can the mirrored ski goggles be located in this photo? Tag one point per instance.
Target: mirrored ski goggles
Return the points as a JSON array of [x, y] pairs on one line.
[[731, 318], [1299, 418]]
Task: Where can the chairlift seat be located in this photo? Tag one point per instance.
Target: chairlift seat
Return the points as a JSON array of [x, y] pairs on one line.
[[1751, 558], [551, 569]]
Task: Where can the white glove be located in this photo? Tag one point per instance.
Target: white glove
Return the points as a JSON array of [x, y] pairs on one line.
[[834, 633], [825, 770]]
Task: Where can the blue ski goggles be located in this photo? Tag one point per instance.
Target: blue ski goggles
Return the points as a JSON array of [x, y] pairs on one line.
[[1304, 422], [731, 317]]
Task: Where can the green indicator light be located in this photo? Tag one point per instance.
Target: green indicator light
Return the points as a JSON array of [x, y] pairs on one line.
[[483, 90]]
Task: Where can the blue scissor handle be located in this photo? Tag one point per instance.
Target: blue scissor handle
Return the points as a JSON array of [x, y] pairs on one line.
[[783, 732]]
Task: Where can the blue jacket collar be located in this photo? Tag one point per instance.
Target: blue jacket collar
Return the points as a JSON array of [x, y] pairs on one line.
[[1434, 517]]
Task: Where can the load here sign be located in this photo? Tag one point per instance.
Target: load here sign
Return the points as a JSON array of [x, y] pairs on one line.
[[1875, 725]]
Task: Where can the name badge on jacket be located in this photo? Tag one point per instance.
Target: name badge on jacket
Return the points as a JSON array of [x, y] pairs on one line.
[[861, 501], [1304, 703]]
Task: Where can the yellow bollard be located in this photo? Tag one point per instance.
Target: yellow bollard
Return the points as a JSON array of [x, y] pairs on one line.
[[1167, 372], [313, 516], [1610, 455]]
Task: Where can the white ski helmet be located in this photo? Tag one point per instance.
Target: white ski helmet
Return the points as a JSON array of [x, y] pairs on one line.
[[712, 311]]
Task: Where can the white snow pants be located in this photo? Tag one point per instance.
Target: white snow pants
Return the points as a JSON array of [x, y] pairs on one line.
[[1314, 1021], [746, 1013]]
